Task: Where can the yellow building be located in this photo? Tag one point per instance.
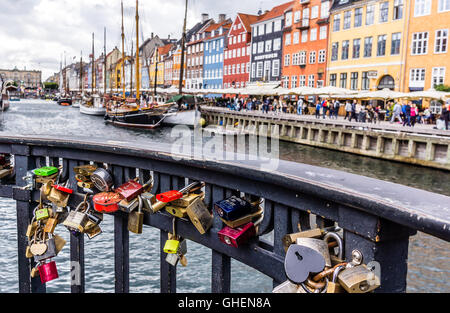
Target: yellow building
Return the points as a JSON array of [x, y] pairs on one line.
[[156, 65], [117, 74], [367, 44], [428, 56]]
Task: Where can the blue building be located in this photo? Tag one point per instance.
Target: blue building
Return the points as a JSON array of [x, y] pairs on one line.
[[213, 56]]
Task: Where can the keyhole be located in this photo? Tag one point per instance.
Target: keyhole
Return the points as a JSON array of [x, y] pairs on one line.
[[299, 257]]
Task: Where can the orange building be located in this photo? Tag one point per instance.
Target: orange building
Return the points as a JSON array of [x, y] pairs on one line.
[[177, 67], [305, 44], [428, 55]]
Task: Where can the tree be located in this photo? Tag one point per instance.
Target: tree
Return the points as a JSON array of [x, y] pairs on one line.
[[52, 86], [444, 88]]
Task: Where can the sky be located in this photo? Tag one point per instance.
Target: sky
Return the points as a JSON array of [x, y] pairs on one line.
[[39, 34]]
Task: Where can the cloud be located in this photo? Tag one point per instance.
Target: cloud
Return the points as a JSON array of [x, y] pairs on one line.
[[36, 33]]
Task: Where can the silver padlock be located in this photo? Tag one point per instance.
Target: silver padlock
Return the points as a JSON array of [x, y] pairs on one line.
[[316, 244], [286, 287], [172, 259]]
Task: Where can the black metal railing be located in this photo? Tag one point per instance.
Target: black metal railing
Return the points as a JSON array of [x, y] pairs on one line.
[[377, 217]]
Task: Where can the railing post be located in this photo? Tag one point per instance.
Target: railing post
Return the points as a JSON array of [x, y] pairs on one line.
[[282, 226], [24, 162]]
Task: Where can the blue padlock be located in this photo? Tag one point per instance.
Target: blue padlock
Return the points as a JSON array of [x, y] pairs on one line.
[[233, 208]]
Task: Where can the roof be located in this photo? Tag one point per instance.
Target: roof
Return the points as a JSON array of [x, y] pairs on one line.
[[276, 12], [248, 19], [164, 49], [338, 5], [225, 24]]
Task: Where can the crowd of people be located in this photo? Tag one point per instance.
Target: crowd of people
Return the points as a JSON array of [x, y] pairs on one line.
[[406, 113]]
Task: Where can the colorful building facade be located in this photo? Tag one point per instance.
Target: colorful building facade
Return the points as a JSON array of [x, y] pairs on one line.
[[367, 45], [305, 44]]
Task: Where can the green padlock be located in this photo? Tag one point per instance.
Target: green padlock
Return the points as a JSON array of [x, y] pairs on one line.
[[42, 214], [46, 171], [171, 246]]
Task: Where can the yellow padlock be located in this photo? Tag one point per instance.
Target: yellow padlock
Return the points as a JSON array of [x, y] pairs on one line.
[[176, 211], [171, 246]]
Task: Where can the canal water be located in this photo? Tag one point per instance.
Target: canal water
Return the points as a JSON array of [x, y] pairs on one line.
[[428, 260]]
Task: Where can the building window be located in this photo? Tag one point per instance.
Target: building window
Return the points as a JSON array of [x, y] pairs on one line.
[[296, 38], [398, 9], [422, 7], [343, 80], [358, 17], [370, 14], [295, 58], [288, 19], [356, 48], [365, 82], [261, 29], [259, 69], [384, 12], [419, 43], [333, 80], [444, 5], [438, 76], [417, 77], [302, 57], [311, 80], [312, 57], [305, 35], [301, 80], [345, 45], [260, 47], [267, 70], [347, 19], [287, 59], [253, 70], [368, 47], [287, 40], [313, 34], [268, 46], [395, 45], [381, 47], [285, 80], [276, 68], [322, 56], [315, 11], [334, 51], [323, 32], [276, 44], [297, 16], [294, 81], [337, 22], [441, 41], [324, 9], [354, 80]]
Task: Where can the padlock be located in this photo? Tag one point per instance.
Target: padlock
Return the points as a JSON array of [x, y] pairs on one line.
[[286, 287], [46, 189], [37, 248], [233, 208], [130, 190], [333, 285], [85, 170], [30, 180], [171, 246], [31, 228], [81, 178], [149, 200], [183, 260], [358, 279], [59, 243], [76, 220], [340, 246], [243, 220], [58, 197], [176, 211], [102, 179], [51, 224], [173, 195], [186, 200], [199, 215], [107, 202], [28, 253], [93, 232], [317, 244], [45, 179], [292, 238], [46, 171], [301, 261], [136, 218], [241, 235], [41, 213], [128, 206], [172, 259], [48, 271], [35, 271], [51, 249], [85, 184]]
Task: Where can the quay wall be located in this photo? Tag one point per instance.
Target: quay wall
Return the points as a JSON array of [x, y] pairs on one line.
[[425, 147]]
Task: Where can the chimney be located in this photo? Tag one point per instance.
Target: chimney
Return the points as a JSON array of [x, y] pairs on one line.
[[205, 17], [151, 36], [222, 18], [168, 37], [259, 12]]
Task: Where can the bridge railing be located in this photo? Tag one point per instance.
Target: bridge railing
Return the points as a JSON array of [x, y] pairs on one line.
[[377, 217]]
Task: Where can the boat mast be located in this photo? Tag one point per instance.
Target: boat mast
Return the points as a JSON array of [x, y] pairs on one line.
[[81, 72], [131, 70], [138, 95], [104, 64], [122, 76], [65, 73], [156, 69], [93, 63], [183, 49]]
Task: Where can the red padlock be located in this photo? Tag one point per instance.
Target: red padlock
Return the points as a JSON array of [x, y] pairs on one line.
[[169, 196], [63, 189], [48, 272], [107, 202], [237, 236], [130, 190]]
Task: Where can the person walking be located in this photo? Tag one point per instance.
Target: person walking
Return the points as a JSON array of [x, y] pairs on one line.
[[414, 114], [300, 106], [446, 113], [348, 110], [318, 106], [407, 115], [324, 108], [396, 112], [353, 111], [337, 106]]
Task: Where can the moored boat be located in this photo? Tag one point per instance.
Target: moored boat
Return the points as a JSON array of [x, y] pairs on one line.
[[93, 106]]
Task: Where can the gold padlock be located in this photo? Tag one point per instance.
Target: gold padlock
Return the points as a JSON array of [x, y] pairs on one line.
[[85, 184], [292, 238], [243, 220], [45, 179], [31, 228], [59, 243], [176, 211], [59, 198], [93, 231], [186, 200], [136, 219], [28, 253], [358, 279], [51, 224], [199, 215]]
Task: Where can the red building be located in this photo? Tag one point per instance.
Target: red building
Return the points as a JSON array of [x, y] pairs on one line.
[[236, 68]]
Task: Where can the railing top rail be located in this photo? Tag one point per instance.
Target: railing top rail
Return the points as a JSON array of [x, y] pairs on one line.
[[411, 207], [294, 117]]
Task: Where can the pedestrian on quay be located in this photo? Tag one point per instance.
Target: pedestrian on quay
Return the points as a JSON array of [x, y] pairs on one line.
[[357, 111], [300, 106], [337, 106], [353, 111], [318, 106], [324, 108], [348, 110], [414, 114], [396, 111], [407, 114], [446, 113]]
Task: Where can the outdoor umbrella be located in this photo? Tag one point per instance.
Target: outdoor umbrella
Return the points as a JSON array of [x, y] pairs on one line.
[[429, 94]]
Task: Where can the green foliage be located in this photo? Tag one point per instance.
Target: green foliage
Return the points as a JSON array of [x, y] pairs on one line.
[[52, 86], [444, 88]]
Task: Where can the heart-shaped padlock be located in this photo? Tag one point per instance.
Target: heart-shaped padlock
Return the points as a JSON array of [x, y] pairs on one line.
[[300, 261], [38, 248]]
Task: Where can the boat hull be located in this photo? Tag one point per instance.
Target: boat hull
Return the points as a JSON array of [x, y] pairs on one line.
[[188, 118], [65, 102], [92, 110]]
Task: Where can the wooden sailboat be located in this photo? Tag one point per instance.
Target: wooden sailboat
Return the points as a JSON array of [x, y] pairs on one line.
[[128, 112], [65, 99], [76, 101], [93, 105]]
